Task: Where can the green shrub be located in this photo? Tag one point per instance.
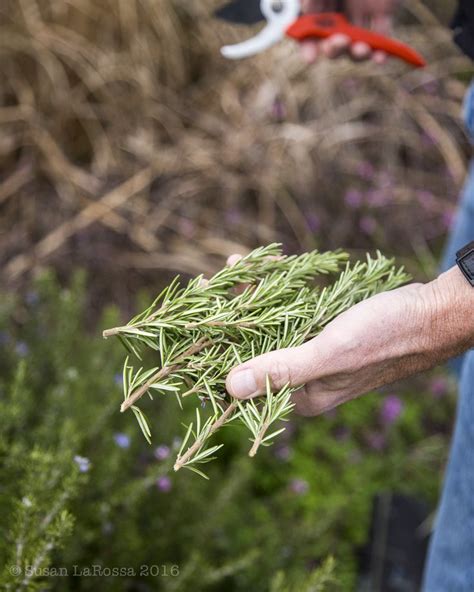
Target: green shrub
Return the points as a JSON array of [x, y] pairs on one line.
[[79, 486]]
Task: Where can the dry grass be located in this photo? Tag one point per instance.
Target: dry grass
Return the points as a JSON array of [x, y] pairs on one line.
[[130, 147]]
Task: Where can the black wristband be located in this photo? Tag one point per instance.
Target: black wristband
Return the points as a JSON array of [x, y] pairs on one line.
[[465, 261]]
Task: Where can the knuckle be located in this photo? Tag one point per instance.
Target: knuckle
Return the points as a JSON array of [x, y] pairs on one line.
[[280, 374]]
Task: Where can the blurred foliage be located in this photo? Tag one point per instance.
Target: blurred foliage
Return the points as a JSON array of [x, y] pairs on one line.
[[70, 460]]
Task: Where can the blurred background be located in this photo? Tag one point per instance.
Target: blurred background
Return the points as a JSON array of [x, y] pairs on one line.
[[131, 151]]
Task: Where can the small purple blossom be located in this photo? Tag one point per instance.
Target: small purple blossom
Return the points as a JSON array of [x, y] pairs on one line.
[[278, 111], [368, 225], [391, 409], [164, 484], [299, 486], [353, 199], [122, 440], [22, 349], [4, 338], [83, 463], [439, 387], [283, 452], [162, 452], [365, 170], [118, 379]]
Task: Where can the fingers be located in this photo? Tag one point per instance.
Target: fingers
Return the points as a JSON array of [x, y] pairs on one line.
[[360, 51], [338, 45], [291, 366], [377, 18], [309, 402], [335, 46], [310, 51]]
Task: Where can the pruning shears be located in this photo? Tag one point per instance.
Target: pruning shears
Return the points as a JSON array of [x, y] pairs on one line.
[[284, 18]]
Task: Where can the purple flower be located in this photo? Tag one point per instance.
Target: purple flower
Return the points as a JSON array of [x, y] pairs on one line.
[[278, 110], [164, 484], [299, 486], [162, 452], [368, 225], [122, 440], [391, 409], [22, 349], [83, 463], [365, 170], [118, 379], [4, 338], [439, 387], [283, 452], [353, 198]]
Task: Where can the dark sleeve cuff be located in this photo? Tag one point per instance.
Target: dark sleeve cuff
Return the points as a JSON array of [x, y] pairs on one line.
[[464, 38]]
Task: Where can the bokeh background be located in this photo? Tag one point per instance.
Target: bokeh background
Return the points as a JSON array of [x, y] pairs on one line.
[[131, 151]]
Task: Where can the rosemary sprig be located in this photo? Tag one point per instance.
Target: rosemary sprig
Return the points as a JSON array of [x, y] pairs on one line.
[[200, 331]]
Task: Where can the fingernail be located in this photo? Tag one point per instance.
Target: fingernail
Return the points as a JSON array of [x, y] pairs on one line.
[[243, 384]]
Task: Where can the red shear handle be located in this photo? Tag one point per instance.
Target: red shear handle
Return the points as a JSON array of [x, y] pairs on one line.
[[327, 24]]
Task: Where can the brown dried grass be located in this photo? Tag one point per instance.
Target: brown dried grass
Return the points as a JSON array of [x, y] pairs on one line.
[[129, 146]]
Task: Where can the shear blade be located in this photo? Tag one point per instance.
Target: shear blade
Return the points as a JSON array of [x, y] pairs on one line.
[[268, 36], [245, 12]]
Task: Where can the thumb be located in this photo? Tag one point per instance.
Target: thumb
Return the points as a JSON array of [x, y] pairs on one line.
[[293, 366]]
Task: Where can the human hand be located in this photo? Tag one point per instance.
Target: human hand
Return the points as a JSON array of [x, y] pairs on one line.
[[373, 14], [378, 341]]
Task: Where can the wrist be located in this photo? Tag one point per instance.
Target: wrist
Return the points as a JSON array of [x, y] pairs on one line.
[[448, 315]]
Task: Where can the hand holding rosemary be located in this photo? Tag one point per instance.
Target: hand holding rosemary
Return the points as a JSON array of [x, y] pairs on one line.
[[202, 330]]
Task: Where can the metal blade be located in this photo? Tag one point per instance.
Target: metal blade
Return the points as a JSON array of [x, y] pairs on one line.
[[268, 36], [245, 12]]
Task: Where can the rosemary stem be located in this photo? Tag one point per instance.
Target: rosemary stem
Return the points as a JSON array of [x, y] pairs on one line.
[[191, 451], [164, 372], [258, 440]]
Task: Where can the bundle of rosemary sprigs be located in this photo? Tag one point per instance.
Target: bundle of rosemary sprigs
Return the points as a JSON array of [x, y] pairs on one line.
[[202, 330]]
